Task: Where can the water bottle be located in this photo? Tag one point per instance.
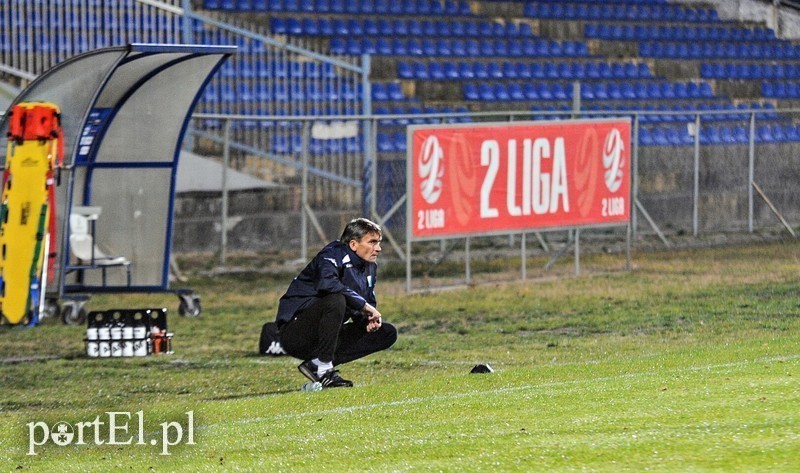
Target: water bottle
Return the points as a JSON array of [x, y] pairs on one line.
[[312, 386]]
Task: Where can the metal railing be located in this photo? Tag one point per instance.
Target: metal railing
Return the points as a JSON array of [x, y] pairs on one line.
[[693, 188]]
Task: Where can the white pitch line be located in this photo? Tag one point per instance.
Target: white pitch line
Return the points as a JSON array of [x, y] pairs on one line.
[[439, 397]]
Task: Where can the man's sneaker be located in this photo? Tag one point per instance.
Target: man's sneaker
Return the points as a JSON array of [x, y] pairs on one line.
[[331, 379], [309, 370]]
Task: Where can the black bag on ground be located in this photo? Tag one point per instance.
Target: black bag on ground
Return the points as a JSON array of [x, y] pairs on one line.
[[270, 342]]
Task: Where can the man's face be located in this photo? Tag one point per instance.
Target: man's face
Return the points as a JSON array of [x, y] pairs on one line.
[[368, 248]]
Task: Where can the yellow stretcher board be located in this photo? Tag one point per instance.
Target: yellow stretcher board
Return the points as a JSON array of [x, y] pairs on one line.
[[27, 225]]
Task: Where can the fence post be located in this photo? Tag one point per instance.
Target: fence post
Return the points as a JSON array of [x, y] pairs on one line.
[[226, 157], [696, 175], [751, 172], [635, 172], [304, 194]]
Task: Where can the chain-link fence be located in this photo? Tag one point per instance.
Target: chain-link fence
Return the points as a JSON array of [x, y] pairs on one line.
[[733, 171]]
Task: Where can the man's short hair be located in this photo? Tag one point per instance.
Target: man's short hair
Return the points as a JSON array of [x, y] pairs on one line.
[[357, 228]]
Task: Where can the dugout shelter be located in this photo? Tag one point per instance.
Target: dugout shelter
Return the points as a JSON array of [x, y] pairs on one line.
[[125, 111]]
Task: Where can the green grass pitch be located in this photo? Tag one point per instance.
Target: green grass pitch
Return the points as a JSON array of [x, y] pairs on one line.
[[688, 363]]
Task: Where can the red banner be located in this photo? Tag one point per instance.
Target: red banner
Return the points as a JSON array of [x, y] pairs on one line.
[[468, 180]]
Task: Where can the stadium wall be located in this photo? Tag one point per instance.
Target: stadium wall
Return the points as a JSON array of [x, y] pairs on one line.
[[785, 21]]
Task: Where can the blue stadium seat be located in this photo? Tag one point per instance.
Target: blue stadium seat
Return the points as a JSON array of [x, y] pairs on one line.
[[399, 47], [500, 92], [436, 70], [791, 132], [487, 47], [529, 89], [537, 70], [337, 46], [399, 140], [385, 28], [600, 90], [442, 47], [368, 46], [480, 70], [471, 91], [465, 70], [428, 47], [353, 46], [511, 30], [414, 28], [379, 92], [523, 70], [382, 6], [385, 143], [508, 70], [414, 47], [437, 28], [395, 92], [405, 70], [383, 46], [309, 26], [485, 92], [764, 134], [458, 47], [740, 135], [515, 92], [543, 91], [370, 27], [627, 92], [613, 90], [451, 71], [645, 137], [660, 137], [494, 71], [561, 93], [451, 7]]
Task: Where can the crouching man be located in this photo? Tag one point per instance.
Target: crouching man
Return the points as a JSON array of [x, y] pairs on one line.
[[328, 315]]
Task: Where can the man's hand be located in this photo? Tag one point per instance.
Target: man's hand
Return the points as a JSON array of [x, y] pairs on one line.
[[373, 318]]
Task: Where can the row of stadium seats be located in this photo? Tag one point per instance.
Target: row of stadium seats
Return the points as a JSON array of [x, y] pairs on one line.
[[59, 17], [684, 113], [389, 28], [284, 92], [776, 50], [522, 70], [412, 114], [627, 32], [646, 90], [612, 11], [293, 144], [746, 71], [718, 135], [457, 47], [256, 68], [406, 7], [781, 90]]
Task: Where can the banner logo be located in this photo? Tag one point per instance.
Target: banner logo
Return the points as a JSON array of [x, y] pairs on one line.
[[431, 169], [613, 160]]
